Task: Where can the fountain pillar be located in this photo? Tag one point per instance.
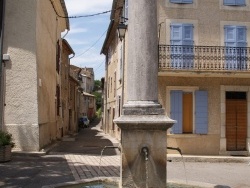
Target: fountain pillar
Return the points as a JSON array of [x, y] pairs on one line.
[[143, 123]]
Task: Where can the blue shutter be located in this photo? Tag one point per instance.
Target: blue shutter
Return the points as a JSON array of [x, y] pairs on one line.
[[235, 2], [201, 115], [176, 110], [187, 42], [182, 1], [241, 38], [187, 35], [240, 2], [229, 2], [176, 34], [230, 36], [187, 1]]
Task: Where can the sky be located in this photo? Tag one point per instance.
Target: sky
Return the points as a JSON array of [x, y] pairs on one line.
[[86, 35]]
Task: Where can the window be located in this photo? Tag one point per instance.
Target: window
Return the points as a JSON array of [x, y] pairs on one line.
[[121, 63], [234, 2], [236, 51], [191, 116], [58, 56], [58, 100], [125, 13], [114, 84], [182, 45], [182, 1]]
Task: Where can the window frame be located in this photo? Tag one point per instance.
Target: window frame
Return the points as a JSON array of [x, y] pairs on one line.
[[194, 90]]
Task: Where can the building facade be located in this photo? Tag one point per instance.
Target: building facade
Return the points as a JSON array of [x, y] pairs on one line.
[[32, 38], [115, 68], [203, 76]]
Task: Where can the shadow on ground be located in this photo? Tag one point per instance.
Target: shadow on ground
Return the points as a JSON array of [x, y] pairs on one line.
[[89, 141], [34, 171]]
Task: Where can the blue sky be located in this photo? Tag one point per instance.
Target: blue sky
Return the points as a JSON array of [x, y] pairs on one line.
[[85, 32]]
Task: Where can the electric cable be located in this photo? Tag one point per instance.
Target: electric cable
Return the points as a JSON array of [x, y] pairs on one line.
[[83, 16], [92, 45]]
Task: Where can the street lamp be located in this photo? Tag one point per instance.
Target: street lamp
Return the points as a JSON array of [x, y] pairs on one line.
[[121, 29]]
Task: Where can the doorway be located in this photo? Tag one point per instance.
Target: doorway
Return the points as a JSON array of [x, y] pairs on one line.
[[187, 117], [236, 121]]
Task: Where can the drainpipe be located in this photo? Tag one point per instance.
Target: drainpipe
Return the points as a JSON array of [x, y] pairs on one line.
[[123, 71], [2, 8], [106, 96]]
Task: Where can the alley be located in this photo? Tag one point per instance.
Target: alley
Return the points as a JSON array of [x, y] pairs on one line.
[[78, 158]]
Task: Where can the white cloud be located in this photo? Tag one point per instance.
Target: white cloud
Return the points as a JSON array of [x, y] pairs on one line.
[[77, 7], [77, 42], [77, 30]]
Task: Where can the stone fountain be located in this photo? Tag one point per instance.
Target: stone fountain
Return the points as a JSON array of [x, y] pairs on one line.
[[143, 123]]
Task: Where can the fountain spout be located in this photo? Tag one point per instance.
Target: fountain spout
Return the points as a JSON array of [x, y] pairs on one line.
[[144, 151], [177, 149]]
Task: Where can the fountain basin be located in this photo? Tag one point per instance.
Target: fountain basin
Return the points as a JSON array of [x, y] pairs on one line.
[[102, 182], [114, 183]]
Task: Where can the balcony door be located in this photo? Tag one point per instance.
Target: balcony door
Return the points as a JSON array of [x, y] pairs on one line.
[[182, 51], [235, 51], [236, 121]]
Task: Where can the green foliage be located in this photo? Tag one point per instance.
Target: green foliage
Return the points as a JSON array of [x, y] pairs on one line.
[[6, 139], [98, 85], [99, 113], [98, 98]]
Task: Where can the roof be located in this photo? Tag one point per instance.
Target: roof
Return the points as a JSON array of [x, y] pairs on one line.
[[88, 94], [73, 79], [68, 46], [114, 21], [65, 13]]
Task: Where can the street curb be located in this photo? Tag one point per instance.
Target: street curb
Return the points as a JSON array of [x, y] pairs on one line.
[[210, 159]]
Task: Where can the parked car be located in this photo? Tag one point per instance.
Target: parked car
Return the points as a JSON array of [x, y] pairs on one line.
[[83, 122]]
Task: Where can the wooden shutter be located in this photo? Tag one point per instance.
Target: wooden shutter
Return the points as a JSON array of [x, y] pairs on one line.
[[176, 110], [58, 56], [176, 34], [187, 35], [201, 115], [240, 2], [241, 39], [230, 36], [235, 2]]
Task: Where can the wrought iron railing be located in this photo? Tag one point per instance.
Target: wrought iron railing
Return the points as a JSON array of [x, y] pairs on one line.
[[204, 58]]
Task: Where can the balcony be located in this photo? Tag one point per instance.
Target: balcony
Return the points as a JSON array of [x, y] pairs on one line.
[[216, 59]]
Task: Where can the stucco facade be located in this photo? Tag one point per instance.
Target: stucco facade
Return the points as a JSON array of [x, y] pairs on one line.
[[73, 104], [31, 32], [212, 70], [209, 20]]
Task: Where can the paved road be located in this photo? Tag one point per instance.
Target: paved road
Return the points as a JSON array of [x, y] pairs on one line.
[[34, 172], [235, 175], [78, 158]]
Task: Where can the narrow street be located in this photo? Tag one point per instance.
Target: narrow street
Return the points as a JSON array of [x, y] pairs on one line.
[[78, 158]]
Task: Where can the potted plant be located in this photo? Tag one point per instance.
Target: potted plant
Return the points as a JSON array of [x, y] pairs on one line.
[[6, 143]]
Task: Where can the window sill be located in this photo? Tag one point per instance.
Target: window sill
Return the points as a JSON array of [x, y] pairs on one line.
[[185, 135]]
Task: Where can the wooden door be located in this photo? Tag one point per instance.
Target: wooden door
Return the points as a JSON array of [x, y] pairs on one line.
[[187, 113], [236, 122]]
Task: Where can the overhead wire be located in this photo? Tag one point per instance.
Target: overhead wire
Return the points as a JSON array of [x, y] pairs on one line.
[[83, 16], [92, 45]]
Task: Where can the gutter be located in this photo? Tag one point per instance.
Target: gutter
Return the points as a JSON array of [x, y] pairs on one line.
[[2, 15]]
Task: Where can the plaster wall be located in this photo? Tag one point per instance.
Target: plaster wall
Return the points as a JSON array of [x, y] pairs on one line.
[[48, 29], [21, 110], [65, 87], [191, 143], [112, 81], [73, 110], [208, 17]]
